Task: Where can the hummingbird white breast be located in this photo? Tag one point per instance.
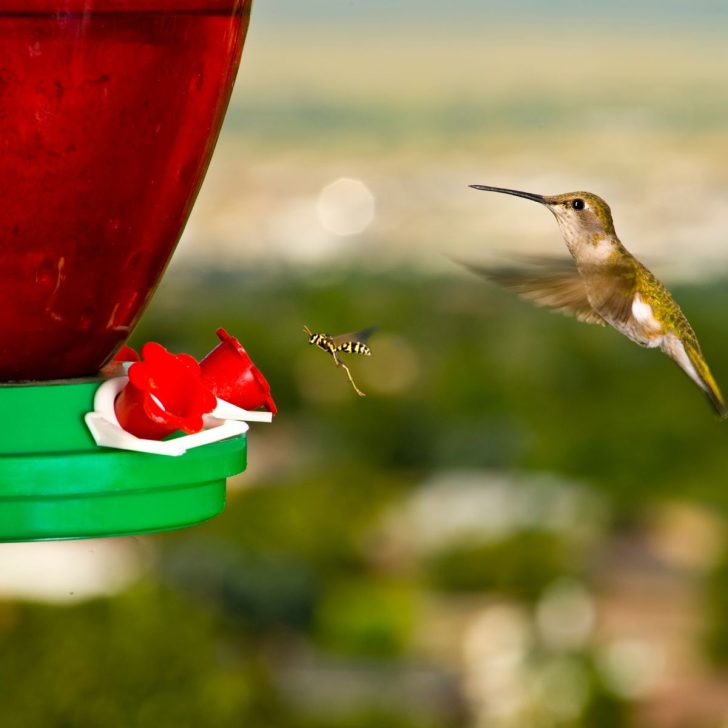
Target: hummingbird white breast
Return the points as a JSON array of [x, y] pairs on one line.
[[642, 312], [641, 326]]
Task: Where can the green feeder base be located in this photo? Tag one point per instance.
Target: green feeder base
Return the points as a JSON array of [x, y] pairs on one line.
[[56, 483]]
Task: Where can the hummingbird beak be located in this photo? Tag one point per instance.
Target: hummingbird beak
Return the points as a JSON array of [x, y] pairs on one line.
[[517, 193]]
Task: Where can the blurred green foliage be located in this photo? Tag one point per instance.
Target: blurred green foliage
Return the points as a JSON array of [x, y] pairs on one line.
[[297, 579], [522, 565]]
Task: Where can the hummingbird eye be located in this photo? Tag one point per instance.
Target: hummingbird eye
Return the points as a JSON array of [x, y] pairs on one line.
[[577, 204]]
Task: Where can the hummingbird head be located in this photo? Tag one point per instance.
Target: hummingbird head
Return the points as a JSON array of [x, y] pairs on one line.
[[580, 212], [584, 218]]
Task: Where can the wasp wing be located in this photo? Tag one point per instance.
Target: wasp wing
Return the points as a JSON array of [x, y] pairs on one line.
[[355, 336]]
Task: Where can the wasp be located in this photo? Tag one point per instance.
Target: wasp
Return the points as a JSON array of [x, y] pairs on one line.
[[353, 343]]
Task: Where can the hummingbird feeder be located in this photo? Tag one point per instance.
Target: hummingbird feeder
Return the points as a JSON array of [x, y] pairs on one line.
[[109, 113]]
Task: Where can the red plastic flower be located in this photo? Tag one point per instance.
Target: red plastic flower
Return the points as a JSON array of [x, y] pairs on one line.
[[165, 393], [232, 376], [115, 367], [126, 353]]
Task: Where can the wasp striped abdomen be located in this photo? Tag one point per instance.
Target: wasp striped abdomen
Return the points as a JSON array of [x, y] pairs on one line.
[[354, 347]]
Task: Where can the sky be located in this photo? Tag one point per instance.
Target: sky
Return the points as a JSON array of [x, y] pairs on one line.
[[276, 13]]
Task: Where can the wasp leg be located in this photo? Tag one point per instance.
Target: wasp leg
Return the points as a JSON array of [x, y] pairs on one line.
[[340, 363], [348, 374]]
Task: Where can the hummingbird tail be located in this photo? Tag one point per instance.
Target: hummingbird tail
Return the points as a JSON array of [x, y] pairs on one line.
[[719, 405], [708, 384], [716, 399], [690, 359]]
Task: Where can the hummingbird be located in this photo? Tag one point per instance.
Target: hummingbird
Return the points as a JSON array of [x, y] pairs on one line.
[[603, 283]]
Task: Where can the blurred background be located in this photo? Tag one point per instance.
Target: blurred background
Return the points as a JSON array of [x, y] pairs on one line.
[[524, 522]]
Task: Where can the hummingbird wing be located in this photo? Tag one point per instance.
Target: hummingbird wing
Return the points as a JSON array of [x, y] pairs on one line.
[[612, 292], [551, 282]]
